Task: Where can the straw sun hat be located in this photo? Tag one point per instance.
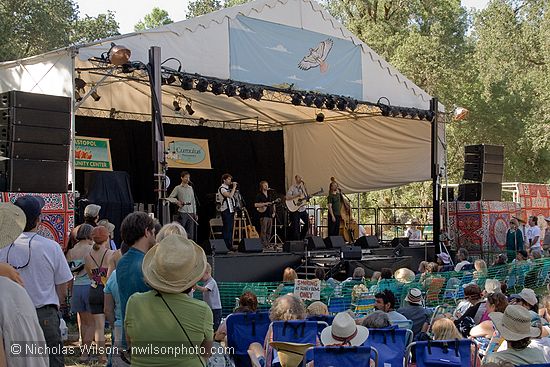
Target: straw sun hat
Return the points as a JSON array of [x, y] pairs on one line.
[[515, 323], [174, 265], [344, 331], [404, 275], [290, 354], [12, 223]]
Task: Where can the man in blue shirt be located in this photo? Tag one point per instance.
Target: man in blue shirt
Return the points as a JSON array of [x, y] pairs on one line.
[[138, 233]]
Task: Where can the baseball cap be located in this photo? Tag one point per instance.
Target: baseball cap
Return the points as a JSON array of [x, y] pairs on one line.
[[31, 205]]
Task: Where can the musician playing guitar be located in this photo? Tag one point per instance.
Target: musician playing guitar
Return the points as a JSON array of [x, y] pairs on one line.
[[264, 206], [334, 200], [298, 191], [227, 209], [184, 196]]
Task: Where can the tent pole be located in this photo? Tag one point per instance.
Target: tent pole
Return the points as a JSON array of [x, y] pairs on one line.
[[435, 175]]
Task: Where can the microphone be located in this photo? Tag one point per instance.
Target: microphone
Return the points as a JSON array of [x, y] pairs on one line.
[[271, 190], [190, 183]]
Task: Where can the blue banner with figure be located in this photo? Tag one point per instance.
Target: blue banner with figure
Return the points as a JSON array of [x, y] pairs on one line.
[[281, 56]]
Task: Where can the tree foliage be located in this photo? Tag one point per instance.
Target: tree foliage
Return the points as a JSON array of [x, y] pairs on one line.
[[155, 18], [89, 29], [200, 7]]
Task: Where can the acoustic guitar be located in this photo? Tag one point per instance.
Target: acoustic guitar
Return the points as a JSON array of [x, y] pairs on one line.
[[249, 228], [264, 208], [296, 204]]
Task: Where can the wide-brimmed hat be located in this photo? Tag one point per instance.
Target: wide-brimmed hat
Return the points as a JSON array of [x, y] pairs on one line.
[[290, 354], [404, 275], [174, 265], [344, 331], [414, 296], [492, 286], [528, 295], [444, 257], [515, 323], [12, 223]]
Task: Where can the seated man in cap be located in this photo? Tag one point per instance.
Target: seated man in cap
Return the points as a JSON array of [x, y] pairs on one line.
[[44, 271], [414, 311]]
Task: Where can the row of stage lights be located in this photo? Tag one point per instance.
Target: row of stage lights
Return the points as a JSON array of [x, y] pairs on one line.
[[404, 112]]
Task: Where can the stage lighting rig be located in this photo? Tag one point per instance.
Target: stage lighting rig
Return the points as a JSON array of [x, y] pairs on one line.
[[296, 99], [202, 85], [186, 82], [341, 103], [308, 99], [319, 101], [230, 90], [320, 117]]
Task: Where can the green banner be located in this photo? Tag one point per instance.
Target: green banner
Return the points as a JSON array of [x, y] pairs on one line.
[[92, 154]]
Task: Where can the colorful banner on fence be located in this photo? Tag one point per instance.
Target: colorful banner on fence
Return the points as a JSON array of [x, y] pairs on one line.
[[92, 154], [187, 153]]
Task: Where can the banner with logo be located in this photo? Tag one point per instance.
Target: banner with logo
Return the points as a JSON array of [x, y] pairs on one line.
[[187, 153], [92, 154]]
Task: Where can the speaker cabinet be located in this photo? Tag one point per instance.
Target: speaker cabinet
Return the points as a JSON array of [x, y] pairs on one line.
[[35, 101], [335, 242], [217, 246], [400, 241], [351, 253], [480, 191], [250, 245], [37, 118], [367, 242], [295, 247], [27, 175], [48, 152], [484, 163], [315, 243]]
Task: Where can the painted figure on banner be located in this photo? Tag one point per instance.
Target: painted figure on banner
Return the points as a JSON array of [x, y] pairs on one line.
[[184, 196]]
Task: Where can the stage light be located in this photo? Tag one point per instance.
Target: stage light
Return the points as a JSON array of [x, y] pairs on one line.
[[176, 105], [202, 121], [341, 103], [118, 54], [244, 92], [404, 112], [167, 80], [79, 84], [330, 103], [230, 90], [296, 99], [308, 99], [77, 96], [257, 93], [113, 113], [413, 112], [186, 83], [421, 114], [202, 85], [320, 117], [217, 88], [429, 115], [319, 101], [460, 113], [189, 109], [352, 104], [95, 96]]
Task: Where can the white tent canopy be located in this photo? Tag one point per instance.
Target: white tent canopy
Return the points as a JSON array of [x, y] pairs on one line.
[[281, 43]]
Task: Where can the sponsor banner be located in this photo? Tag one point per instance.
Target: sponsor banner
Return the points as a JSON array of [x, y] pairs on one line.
[[187, 153], [92, 154]]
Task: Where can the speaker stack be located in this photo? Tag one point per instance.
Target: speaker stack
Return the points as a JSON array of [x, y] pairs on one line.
[[34, 142], [485, 165]]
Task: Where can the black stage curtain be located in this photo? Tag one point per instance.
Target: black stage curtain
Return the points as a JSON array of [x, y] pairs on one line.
[[249, 156]]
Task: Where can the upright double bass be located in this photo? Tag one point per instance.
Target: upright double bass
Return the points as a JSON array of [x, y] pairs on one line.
[[349, 229]]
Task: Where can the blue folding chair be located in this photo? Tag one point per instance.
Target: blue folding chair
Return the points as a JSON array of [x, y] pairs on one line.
[[535, 365], [326, 318], [244, 329], [341, 356], [390, 344], [402, 324], [443, 353], [339, 304], [296, 331]]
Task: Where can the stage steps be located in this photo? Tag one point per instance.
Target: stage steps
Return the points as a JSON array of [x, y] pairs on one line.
[[330, 262]]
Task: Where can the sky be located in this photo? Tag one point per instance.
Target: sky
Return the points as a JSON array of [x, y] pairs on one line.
[[129, 12]]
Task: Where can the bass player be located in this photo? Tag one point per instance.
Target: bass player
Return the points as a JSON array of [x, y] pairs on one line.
[[264, 206], [298, 191]]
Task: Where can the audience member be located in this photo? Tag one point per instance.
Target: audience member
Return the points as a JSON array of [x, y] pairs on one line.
[[514, 239], [320, 274], [422, 267], [445, 329], [544, 311], [480, 269], [211, 295], [18, 319], [344, 331], [171, 228], [376, 320], [527, 299], [248, 302], [404, 275], [532, 236], [443, 261], [514, 326], [496, 302], [472, 293], [376, 276], [414, 311], [386, 273], [385, 302], [546, 237], [44, 271], [178, 319], [138, 233], [317, 308], [462, 259]]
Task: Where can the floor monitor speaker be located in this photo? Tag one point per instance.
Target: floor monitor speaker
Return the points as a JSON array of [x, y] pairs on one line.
[[315, 243], [218, 246], [335, 242], [250, 245], [351, 253], [295, 247]]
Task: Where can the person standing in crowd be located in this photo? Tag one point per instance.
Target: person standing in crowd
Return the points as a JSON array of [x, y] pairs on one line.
[[211, 295], [265, 209], [184, 196], [298, 191], [532, 236], [91, 214], [178, 318], [80, 295], [44, 271], [96, 267], [514, 239], [111, 228], [18, 318], [227, 209], [334, 201], [138, 233], [546, 239]]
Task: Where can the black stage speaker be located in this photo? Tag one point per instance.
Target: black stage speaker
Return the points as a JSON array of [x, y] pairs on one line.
[[48, 152], [483, 191], [403, 241], [315, 243], [351, 253], [295, 247], [250, 245], [367, 242], [451, 194], [35, 101], [26, 175], [335, 242], [217, 246], [484, 163]]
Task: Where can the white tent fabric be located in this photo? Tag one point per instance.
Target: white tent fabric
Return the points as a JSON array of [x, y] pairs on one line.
[[385, 151]]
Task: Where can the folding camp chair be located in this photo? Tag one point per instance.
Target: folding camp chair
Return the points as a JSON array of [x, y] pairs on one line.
[[326, 318], [442, 353], [339, 304], [242, 330], [341, 356], [391, 344], [297, 331], [402, 324]]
